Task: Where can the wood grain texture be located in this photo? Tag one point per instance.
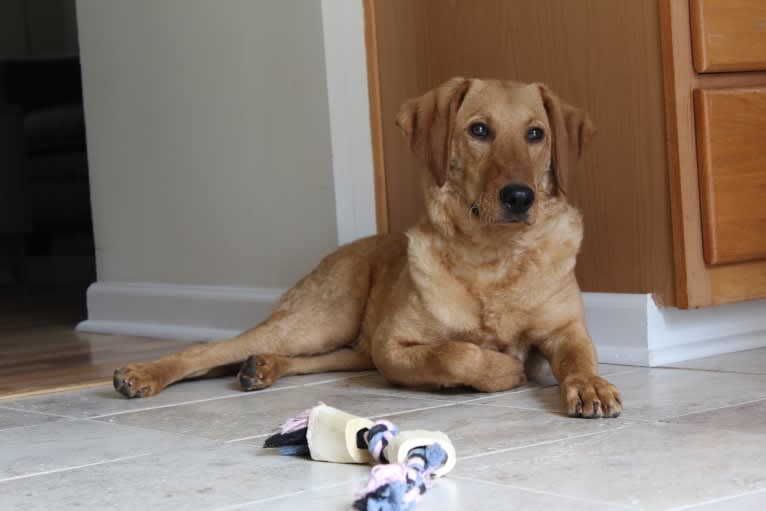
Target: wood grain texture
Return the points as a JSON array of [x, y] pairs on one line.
[[728, 35], [42, 357], [731, 124], [601, 55], [697, 285], [738, 282]]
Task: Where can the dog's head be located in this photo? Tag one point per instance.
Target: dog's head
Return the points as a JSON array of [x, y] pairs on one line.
[[502, 147]]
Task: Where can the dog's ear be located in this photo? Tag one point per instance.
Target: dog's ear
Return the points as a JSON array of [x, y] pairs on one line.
[[428, 121], [572, 130]]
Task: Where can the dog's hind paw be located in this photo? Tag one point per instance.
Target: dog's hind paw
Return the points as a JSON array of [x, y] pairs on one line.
[[258, 372], [136, 380]]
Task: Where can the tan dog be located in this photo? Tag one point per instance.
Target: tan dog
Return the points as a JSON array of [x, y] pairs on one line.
[[482, 282]]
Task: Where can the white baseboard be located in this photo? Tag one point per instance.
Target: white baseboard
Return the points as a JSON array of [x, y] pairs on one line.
[[627, 328], [175, 311], [631, 329]]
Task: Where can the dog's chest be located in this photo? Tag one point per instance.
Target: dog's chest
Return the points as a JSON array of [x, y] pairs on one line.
[[491, 303]]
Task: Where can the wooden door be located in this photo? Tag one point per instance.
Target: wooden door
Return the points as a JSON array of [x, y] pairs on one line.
[[602, 55]]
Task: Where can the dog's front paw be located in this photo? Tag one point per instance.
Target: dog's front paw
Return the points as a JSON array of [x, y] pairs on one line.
[[590, 396], [138, 380]]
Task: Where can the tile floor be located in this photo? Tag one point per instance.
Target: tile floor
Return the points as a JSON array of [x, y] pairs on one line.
[[692, 437]]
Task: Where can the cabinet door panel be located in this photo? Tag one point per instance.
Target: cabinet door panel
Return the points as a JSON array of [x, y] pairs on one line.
[[731, 143], [728, 35]]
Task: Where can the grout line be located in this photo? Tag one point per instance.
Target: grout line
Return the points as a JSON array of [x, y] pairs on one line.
[[252, 437], [65, 469], [704, 410], [637, 420], [193, 401], [240, 394], [718, 499], [513, 392], [544, 442], [413, 410], [717, 371], [63, 420], [35, 412], [383, 392], [340, 378], [441, 397], [284, 496], [493, 405], [540, 492], [183, 403], [627, 370], [149, 429], [267, 499]]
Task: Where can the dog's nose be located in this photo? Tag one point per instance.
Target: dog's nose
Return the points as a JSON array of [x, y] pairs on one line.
[[517, 198]]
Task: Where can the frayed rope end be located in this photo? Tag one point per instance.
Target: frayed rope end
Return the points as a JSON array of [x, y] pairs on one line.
[[291, 439]]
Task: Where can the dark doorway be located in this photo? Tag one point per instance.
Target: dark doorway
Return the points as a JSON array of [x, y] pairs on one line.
[[46, 236]]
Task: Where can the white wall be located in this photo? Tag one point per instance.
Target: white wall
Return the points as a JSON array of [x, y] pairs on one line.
[[208, 140]]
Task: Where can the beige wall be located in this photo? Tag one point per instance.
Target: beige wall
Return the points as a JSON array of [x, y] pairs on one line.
[[208, 139]]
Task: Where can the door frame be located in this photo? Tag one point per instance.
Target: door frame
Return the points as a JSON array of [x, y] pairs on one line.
[[355, 175]]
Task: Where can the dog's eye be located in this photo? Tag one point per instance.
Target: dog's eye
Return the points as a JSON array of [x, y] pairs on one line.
[[535, 135], [479, 130]]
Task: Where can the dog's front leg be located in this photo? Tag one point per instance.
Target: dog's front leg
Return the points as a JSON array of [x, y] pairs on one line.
[[572, 357]]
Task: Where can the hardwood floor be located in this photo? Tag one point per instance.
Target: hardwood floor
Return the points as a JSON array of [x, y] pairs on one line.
[[40, 351]]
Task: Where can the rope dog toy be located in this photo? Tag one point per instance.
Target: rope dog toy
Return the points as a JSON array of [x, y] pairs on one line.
[[405, 461]]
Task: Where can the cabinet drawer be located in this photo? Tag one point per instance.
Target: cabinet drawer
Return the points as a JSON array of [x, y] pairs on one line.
[[728, 35], [731, 149]]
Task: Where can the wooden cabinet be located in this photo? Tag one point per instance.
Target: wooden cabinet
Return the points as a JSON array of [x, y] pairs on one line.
[[728, 35], [731, 135], [717, 278], [655, 221]]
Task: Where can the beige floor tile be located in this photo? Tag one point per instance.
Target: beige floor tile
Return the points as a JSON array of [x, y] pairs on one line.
[[651, 466], [476, 430], [746, 418], [653, 394], [66, 444], [103, 400], [607, 369], [260, 413], [192, 478], [544, 376], [752, 361], [755, 501], [17, 418], [376, 384], [446, 494]]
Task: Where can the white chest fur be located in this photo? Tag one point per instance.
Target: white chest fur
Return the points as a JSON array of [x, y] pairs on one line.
[[490, 292]]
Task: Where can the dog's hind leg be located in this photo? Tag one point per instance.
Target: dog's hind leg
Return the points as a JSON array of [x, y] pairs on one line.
[[320, 314], [260, 371]]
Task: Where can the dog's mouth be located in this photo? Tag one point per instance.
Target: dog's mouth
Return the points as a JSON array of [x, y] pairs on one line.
[[513, 218], [504, 217]]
